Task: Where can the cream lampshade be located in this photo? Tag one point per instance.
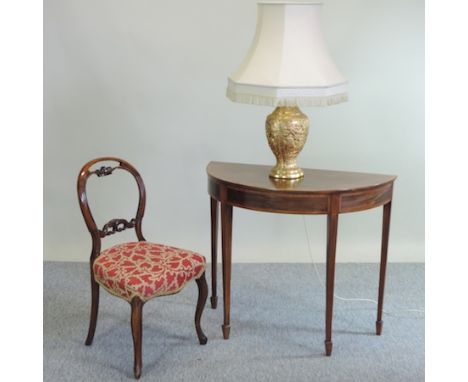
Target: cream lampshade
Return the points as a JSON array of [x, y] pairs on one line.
[[288, 65]]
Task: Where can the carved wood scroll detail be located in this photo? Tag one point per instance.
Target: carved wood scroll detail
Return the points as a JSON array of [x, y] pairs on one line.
[[104, 171], [116, 225]]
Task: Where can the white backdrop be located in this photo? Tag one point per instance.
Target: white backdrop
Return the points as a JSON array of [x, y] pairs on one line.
[[145, 80]]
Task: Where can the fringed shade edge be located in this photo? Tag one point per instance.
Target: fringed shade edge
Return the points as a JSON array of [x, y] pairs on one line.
[[302, 97]]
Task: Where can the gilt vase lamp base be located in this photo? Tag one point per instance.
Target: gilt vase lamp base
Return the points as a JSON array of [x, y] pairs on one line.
[[286, 130]]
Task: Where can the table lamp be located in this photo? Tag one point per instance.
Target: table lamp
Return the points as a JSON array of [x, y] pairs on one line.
[[287, 66]]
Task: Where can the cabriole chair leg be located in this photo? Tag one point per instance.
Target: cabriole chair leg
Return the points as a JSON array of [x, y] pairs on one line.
[[137, 331], [202, 296]]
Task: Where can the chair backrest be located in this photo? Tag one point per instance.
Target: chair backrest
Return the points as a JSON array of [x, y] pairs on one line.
[[114, 225]]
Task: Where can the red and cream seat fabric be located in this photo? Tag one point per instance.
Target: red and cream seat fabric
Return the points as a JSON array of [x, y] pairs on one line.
[[146, 269]]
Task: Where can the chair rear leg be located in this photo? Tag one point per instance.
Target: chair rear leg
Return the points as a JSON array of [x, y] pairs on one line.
[[94, 311], [202, 296], [137, 331]]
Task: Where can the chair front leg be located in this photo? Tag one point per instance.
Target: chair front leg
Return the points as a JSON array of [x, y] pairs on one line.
[[202, 296], [137, 331], [94, 311]]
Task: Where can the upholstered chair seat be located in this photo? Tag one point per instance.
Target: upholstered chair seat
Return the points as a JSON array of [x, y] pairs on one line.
[[146, 270]]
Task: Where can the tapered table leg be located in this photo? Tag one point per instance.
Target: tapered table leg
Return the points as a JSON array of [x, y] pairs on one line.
[[332, 230], [226, 238], [383, 265], [214, 251]]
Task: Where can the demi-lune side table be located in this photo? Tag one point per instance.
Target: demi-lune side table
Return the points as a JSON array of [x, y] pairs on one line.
[[323, 192]]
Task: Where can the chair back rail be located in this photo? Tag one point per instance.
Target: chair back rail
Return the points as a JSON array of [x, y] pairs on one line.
[[114, 225]]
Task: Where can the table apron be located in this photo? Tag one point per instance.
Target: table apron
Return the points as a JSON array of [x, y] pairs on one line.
[[302, 203], [366, 199]]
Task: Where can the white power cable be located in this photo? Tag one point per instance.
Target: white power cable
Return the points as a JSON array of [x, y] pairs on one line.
[[343, 298]]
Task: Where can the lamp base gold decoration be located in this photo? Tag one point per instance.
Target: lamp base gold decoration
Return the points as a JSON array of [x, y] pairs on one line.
[[285, 184], [287, 129]]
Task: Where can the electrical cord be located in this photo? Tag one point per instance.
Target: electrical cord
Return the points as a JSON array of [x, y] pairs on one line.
[[343, 298]]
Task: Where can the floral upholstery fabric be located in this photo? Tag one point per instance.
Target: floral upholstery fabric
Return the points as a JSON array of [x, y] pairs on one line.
[[146, 269]]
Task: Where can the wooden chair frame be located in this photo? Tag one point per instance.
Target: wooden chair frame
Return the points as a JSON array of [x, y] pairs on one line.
[[118, 225]]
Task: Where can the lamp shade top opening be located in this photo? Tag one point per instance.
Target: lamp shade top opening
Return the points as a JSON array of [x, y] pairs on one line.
[[288, 63]]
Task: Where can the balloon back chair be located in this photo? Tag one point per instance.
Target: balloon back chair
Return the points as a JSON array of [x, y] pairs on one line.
[[136, 271]]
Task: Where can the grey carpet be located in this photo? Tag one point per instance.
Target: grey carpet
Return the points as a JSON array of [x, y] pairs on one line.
[[277, 334]]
